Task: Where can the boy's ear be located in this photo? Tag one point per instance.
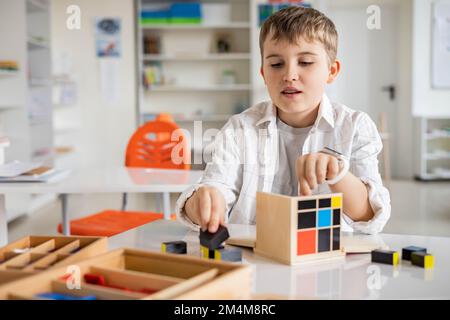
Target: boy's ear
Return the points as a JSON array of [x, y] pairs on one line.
[[261, 70], [335, 68]]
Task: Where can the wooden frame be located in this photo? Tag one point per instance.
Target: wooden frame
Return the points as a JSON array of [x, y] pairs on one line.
[[34, 254], [174, 276], [278, 233]]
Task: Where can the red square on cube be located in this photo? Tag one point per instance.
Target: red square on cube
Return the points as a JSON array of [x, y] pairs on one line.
[[306, 242]]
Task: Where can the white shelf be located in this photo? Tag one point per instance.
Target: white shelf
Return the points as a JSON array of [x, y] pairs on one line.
[[203, 117], [64, 156], [231, 25], [40, 82], [438, 135], [434, 151], [34, 44], [208, 57], [433, 177], [182, 118], [43, 157], [7, 107], [25, 33], [66, 129], [441, 173], [62, 106], [438, 156], [39, 121], [34, 6], [190, 62], [6, 73], [235, 87]]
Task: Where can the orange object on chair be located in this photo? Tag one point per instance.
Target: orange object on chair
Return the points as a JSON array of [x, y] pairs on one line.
[[151, 146], [156, 144]]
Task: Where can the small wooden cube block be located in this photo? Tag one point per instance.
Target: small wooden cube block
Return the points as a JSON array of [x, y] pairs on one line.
[[407, 251], [208, 253], [214, 240], [422, 259], [385, 256], [229, 254], [179, 247]]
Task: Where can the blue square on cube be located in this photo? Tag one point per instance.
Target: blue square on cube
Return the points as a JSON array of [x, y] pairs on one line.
[[324, 218]]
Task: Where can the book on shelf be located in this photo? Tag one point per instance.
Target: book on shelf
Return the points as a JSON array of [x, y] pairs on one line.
[[36, 174]]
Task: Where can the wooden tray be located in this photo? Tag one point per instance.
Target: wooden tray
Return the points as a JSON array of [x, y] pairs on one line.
[[172, 276], [34, 254]]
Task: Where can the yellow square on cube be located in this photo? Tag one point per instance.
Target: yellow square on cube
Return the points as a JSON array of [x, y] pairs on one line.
[[395, 259], [163, 247], [205, 252], [428, 261], [336, 202]]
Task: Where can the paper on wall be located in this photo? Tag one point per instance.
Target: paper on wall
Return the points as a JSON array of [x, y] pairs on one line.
[[110, 80]]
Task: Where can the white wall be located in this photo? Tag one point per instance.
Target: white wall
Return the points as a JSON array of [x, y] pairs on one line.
[[104, 129], [427, 102], [403, 167]]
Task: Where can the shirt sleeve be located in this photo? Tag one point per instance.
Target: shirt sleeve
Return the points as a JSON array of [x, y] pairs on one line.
[[223, 171], [364, 165]]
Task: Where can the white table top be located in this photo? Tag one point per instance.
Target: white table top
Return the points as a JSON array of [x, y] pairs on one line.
[[111, 179], [353, 277]]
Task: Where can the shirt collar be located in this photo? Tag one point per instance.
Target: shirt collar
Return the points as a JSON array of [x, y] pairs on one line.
[[325, 113]]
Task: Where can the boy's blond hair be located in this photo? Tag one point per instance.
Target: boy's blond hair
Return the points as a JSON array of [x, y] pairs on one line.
[[292, 22]]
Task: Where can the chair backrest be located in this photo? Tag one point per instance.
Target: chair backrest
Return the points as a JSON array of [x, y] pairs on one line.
[[151, 146]]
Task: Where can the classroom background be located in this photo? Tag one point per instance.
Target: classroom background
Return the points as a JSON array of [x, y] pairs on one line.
[[78, 77]]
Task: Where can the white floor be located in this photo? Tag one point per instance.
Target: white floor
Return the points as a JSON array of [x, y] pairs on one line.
[[417, 208]]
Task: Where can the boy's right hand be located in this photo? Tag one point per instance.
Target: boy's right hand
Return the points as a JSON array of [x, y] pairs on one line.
[[206, 207]]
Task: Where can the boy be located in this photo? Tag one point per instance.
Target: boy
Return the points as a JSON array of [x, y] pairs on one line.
[[283, 145]]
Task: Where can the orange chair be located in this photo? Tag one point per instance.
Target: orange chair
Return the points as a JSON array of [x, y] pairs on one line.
[[151, 146]]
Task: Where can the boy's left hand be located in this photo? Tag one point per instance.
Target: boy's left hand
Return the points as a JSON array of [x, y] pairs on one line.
[[312, 169]]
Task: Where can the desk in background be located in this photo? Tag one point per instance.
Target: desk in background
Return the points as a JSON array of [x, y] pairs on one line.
[[102, 180]]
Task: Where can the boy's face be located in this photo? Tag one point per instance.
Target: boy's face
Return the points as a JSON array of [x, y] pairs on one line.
[[296, 74]]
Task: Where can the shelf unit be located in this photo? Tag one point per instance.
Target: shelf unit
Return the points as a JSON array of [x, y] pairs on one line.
[[217, 88], [194, 88], [40, 109], [34, 44], [37, 6], [198, 57], [434, 151], [5, 73], [25, 95], [230, 25]]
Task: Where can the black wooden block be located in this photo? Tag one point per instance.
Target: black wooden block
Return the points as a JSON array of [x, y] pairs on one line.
[[174, 247], [406, 252], [422, 259], [214, 240], [385, 256]]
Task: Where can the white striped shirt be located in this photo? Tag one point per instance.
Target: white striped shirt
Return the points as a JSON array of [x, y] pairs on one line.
[[246, 159]]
